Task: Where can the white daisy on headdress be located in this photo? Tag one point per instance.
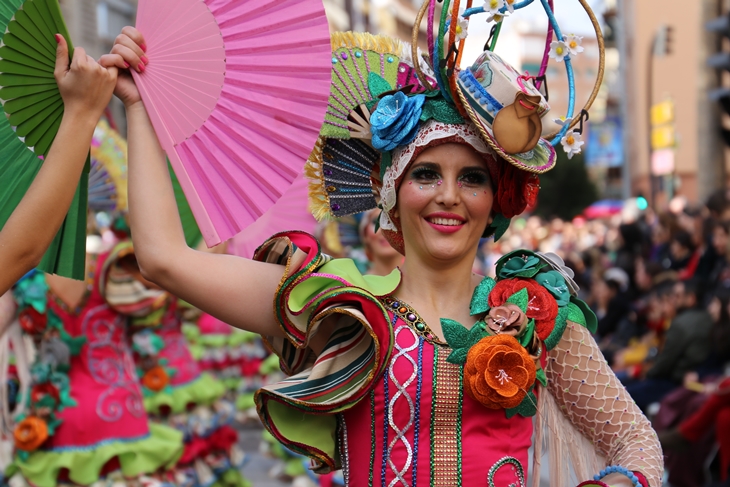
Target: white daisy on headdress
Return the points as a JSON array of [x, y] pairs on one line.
[[572, 143], [462, 27], [510, 5], [563, 120], [573, 42], [492, 7], [559, 50]]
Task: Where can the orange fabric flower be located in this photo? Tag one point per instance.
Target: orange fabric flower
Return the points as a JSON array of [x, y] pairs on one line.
[[30, 434], [155, 379], [498, 372]]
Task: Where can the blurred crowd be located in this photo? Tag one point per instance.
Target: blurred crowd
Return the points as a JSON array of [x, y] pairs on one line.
[[659, 283]]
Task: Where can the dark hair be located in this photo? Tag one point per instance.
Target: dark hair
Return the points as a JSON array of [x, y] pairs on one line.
[[717, 202], [684, 239], [697, 288]]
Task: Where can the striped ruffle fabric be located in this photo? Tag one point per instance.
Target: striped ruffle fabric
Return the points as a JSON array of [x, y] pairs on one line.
[[122, 291], [300, 411]]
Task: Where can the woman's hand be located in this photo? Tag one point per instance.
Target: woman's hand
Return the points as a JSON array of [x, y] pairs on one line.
[[85, 86], [128, 53]]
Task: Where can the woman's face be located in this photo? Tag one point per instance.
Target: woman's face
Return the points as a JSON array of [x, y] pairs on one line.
[[376, 245], [444, 203], [720, 240]]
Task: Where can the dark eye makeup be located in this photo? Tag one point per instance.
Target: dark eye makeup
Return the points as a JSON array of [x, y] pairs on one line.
[[471, 176]]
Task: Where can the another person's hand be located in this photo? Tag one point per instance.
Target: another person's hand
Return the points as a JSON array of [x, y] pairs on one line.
[[85, 86], [128, 53]]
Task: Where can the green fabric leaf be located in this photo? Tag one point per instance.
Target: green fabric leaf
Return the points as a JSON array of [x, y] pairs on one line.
[[479, 299], [441, 111], [458, 356], [378, 85], [575, 314], [456, 334], [540, 376], [558, 329], [520, 298], [500, 224], [477, 332], [74, 343], [526, 409], [526, 337], [584, 314]]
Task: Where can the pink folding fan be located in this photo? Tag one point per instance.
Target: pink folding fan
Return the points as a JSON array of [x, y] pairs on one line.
[[291, 212], [237, 92]]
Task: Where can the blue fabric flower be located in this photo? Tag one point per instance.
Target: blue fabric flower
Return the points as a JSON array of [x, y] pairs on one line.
[[394, 122]]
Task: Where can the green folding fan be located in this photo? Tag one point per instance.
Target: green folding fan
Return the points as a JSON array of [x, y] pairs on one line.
[[33, 110], [190, 226]]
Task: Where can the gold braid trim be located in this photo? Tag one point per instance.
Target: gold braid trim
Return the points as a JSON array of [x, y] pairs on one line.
[[319, 202], [366, 42]]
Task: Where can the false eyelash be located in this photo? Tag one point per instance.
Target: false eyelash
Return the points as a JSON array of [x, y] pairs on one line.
[[481, 177], [421, 172]]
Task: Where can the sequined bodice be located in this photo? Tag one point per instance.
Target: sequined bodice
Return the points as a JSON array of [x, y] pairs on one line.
[[417, 427]]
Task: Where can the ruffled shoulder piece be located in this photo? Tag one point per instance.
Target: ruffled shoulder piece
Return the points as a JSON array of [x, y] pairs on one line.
[[317, 290]]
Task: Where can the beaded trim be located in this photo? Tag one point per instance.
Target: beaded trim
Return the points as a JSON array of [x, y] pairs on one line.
[[409, 315], [344, 452], [417, 425], [447, 409], [516, 467], [618, 469]]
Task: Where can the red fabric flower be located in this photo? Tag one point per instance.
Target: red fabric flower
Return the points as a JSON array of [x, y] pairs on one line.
[[541, 306], [531, 189], [46, 389], [32, 322]]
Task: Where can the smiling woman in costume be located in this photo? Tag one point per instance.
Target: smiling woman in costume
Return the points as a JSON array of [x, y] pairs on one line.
[[430, 375]]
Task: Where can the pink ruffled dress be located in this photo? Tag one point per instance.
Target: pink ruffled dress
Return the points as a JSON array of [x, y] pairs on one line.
[[108, 428]]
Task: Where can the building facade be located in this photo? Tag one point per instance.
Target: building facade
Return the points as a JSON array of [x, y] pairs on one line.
[[674, 69]]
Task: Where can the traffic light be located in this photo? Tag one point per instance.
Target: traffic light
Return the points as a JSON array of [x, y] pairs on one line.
[[720, 60], [720, 25], [664, 41]]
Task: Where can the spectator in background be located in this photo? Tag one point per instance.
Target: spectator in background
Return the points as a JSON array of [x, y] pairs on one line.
[[661, 235], [713, 266], [685, 348], [682, 255], [613, 310]]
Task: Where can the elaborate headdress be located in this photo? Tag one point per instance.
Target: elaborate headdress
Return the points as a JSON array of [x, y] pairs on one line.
[[389, 101]]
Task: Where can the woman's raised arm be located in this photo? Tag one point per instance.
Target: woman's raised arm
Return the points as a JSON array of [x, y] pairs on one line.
[[86, 89], [236, 290]]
